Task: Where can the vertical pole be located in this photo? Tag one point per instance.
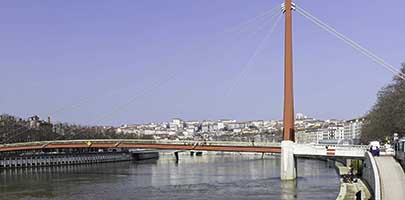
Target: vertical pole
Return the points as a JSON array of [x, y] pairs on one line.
[[288, 162], [288, 118]]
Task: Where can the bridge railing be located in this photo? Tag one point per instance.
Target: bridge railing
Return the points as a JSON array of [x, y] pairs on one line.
[[342, 146], [330, 150]]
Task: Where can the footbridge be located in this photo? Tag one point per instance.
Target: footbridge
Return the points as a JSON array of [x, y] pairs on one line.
[[228, 146], [356, 151], [288, 150]]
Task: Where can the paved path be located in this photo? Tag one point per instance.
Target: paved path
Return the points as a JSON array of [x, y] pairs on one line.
[[392, 178]]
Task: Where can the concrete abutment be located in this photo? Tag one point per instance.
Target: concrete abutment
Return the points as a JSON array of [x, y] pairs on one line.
[[288, 166]]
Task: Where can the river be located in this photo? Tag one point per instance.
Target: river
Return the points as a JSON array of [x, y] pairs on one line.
[[210, 176]]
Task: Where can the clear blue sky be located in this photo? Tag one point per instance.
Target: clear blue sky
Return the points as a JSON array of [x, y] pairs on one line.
[[100, 55]]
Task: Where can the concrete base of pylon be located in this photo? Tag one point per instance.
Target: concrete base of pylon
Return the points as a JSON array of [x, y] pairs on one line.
[[288, 169]]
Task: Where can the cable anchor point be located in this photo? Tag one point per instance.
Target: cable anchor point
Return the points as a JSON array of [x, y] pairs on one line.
[[293, 7]]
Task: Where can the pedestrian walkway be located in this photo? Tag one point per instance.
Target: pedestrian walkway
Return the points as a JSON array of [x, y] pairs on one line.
[[348, 190], [392, 178]]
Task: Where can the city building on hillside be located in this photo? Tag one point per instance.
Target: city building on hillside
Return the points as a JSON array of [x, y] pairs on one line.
[[150, 132], [270, 123], [303, 135], [36, 123], [221, 125], [352, 129], [178, 121], [308, 130], [236, 125], [176, 124], [227, 121], [300, 116], [331, 132], [191, 131], [237, 130], [205, 128], [258, 123]]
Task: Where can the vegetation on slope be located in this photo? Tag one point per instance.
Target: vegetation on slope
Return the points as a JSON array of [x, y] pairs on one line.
[[387, 116]]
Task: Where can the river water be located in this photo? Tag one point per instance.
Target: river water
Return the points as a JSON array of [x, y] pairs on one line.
[[207, 177]]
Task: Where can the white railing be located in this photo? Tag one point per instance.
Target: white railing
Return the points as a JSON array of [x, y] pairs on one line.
[[330, 150]]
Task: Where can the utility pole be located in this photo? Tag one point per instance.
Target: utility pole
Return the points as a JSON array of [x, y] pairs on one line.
[[288, 118]]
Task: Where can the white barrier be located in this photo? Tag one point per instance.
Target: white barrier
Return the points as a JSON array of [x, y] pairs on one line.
[[330, 150], [371, 175]]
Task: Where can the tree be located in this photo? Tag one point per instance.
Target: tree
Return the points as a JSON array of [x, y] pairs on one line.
[[387, 116]]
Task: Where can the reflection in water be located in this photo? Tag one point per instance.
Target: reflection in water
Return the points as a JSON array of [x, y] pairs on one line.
[[289, 189], [206, 177]]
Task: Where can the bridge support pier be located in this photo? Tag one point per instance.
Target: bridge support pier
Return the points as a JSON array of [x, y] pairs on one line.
[[288, 169]]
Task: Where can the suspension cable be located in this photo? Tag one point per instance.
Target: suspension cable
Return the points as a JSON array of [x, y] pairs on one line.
[[264, 24], [234, 30], [142, 93], [255, 53], [172, 76], [269, 14], [245, 24], [351, 43]]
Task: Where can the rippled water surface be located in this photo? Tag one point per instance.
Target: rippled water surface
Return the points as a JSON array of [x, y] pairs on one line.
[[206, 177]]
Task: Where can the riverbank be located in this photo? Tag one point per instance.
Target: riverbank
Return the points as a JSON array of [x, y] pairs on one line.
[[349, 189]]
